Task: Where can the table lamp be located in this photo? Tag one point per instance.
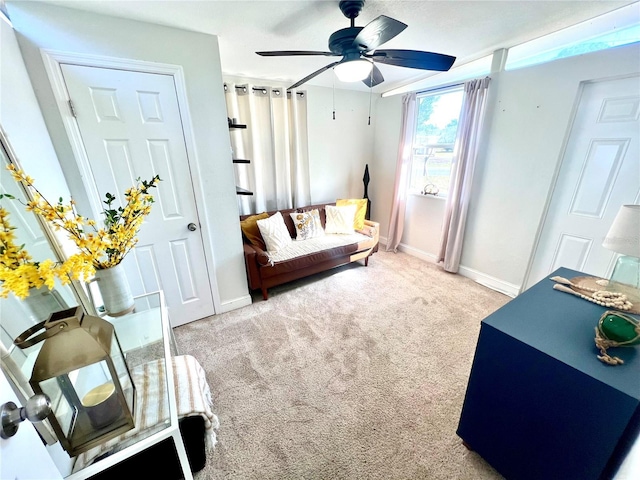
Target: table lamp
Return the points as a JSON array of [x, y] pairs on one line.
[[624, 238]]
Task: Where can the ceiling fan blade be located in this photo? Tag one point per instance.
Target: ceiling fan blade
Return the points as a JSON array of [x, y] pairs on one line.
[[413, 59], [378, 31], [283, 53], [375, 78], [309, 77]]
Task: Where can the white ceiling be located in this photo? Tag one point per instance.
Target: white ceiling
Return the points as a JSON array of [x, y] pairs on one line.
[[465, 29]]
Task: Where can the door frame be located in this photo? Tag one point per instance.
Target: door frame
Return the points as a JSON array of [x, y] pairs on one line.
[[53, 59], [556, 173]]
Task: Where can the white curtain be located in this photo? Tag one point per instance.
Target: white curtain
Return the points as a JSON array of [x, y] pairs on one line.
[[403, 171], [276, 143], [467, 141]]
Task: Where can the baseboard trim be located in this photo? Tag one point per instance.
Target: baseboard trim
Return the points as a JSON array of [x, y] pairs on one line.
[[235, 304], [429, 257], [488, 281]]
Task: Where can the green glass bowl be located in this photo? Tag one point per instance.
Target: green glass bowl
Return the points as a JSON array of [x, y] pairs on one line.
[[620, 328]]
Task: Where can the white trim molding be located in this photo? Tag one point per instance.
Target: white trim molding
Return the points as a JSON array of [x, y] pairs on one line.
[[483, 279], [236, 303], [488, 281], [414, 252]]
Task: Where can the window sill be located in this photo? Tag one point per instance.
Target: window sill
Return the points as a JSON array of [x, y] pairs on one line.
[[436, 197]]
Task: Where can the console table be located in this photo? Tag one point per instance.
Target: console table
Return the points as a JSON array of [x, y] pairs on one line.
[[539, 404], [145, 335]]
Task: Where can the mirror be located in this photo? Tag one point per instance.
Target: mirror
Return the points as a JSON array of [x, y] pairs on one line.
[[18, 315]]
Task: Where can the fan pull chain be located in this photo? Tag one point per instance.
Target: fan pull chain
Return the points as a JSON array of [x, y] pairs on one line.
[[334, 96], [370, 92]]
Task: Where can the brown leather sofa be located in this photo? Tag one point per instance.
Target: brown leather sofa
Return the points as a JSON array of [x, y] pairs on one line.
[[263, 274]]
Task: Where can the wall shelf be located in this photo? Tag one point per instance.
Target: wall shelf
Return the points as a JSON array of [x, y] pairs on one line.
[[233, 125], [242, 191]]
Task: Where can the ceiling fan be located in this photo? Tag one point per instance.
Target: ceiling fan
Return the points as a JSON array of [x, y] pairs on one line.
[[358, 48]]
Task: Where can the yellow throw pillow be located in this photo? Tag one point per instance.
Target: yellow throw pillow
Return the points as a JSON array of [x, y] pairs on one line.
[[361, 210], [250, 229]]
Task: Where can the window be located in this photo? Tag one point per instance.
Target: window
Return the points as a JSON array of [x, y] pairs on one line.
[[613, 39], [434, 140], [618, 27]]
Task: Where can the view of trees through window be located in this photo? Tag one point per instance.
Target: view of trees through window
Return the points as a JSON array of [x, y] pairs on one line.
[[434, 140]]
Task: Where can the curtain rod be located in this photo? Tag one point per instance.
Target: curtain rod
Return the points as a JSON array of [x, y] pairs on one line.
[[263, 90], [276, 90], [444, 87]]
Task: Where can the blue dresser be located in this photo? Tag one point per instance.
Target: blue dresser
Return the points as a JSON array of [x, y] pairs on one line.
[[539, 404]]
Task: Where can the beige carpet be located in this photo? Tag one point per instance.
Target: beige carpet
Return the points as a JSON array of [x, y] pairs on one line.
[[355, 374]]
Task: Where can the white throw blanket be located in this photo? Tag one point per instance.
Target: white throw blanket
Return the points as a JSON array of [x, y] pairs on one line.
[[193, 397], [316, 244]]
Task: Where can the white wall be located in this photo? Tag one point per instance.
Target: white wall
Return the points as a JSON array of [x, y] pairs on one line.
[[385, 153], [339, 149], [18, 109], [423, 225], [46, 26], [527, 121]]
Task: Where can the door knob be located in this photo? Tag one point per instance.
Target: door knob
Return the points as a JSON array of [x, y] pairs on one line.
[[192, 227], [37, 409]]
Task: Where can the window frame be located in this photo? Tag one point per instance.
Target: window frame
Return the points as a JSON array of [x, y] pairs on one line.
[[447, 89]]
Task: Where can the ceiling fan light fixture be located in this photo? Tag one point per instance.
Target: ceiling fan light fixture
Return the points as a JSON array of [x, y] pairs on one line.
[[353, 70], [358, 47]]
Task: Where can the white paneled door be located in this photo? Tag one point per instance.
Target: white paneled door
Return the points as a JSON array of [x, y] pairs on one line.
[[131, 128], [23, 456], [600, 172]]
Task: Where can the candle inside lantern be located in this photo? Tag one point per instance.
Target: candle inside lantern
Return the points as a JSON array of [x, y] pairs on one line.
[[101, 404]]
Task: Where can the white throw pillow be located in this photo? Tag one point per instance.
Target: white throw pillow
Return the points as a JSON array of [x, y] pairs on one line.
[[340, 219], [308, 224], [274, 232]]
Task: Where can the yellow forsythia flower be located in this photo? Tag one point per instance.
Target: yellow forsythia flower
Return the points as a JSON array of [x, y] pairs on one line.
[[101, 247]]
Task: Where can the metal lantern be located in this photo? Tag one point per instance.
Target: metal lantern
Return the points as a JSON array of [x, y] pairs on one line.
[[82, 369]]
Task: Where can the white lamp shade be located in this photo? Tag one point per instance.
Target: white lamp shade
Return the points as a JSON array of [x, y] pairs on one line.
[[624, 234], [353, 70]]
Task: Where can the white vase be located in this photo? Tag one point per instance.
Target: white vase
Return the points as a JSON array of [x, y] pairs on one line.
[[41, 303], [114, 289]]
